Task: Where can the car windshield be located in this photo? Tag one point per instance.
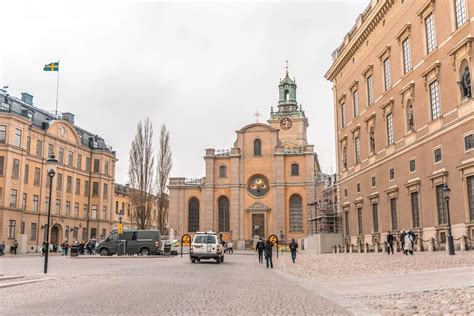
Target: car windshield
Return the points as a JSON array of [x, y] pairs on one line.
[[205, 239]]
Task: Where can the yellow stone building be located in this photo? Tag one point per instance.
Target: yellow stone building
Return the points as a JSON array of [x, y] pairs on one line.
[[83, 193], [260, 186]]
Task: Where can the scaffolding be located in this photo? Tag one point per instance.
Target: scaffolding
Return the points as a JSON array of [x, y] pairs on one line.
[[325, 217]]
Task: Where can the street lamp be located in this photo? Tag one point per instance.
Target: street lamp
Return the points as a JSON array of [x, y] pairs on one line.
[[446, 194], [51, 164]]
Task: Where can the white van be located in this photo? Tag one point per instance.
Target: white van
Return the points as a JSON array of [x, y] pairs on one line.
[[206, 245]]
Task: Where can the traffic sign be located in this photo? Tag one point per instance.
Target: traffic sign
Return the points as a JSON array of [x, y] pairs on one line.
[[186, 239], [273, 239]]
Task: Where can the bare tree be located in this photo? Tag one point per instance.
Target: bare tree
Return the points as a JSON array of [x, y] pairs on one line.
[[163, 171], [141, 172]]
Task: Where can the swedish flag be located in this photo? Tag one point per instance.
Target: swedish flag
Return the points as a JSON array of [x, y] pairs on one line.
[[51, 67]]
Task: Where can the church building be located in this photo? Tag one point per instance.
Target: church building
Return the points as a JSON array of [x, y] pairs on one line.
[[260, 186]]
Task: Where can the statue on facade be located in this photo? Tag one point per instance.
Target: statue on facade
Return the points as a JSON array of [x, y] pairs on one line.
[[372, 139], [465, 83], [410, 121]]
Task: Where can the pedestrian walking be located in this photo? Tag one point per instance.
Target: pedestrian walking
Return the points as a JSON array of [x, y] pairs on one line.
[[408, 244], [260, 247], [14, 247], [293, 248], [389, 243], [402, 240], [44, 247], [268, 253], [230, 247], [2, 248]]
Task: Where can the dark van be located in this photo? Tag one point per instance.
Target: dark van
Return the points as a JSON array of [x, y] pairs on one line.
[[134, 241]]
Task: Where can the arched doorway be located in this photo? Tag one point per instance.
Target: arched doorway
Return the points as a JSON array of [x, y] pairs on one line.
[[55, 234]]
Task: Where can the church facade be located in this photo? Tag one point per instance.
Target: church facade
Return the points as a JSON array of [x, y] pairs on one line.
[[260, 186]]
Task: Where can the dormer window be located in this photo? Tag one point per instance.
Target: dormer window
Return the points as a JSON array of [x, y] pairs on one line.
[[257, 147]]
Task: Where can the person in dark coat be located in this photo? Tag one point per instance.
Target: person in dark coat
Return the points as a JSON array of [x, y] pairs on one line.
[[402, 240], [268, 253], [293, 247], [260, 247], [389, 242]]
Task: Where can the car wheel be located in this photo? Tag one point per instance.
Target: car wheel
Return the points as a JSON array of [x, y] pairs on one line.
[[198, 260], [144, 251], [218, 260], [193, 260], [104, 252]]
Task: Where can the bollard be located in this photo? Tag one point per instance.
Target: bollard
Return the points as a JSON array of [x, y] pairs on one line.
[[431, 245], [419, 245], [351, 248], [463, 243], [366, 248]]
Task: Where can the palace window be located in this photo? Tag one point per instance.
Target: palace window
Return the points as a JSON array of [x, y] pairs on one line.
[[415, 209], [104, 212], [50, 150], [434, 100], [355, 102], [35, 206], [79, 162], [61, 155], [78, 186], [96, 165], [68, 208], [26, 174], [442, 215], [37, 177], [469, 142], [58, 206], [75, 233], [359, 221], [358, 187], [412, 165], [375, 217], [95, 189], [296, 213], [69, 184], [343, 115], [39, 148], [59, 184], [94, 212], [86, 211], [430, 33], [24, 201], [88, 164], [295, 169], [222, 171], [391, 174], [438, 155], [460, 12], [193, 215], [470, 196], [13, 198], [373, 181], [69, 158], [17, 137], [370, 89], [86, 188], [406, 55], [3, 134], [33, 231], [16, 168], [105, 191], [357, 150], [76, 209], [2, 162], [386, 74], [223, 204], [393, 213], [390, 136], [11, 229], [346, 222], [28, 144], [257, 147]]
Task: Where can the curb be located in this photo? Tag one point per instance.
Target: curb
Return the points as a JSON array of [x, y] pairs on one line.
[[7, 285]]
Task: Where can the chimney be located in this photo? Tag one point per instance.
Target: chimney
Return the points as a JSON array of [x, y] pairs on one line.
[[27, 98], [67, 116]]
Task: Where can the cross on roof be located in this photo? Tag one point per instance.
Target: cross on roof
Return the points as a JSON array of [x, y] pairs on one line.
[[257, 114]]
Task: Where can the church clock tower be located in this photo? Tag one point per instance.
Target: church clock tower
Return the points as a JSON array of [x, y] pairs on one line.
[[290, 118]]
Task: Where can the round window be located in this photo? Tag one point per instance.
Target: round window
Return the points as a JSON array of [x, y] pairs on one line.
[[258, 186]]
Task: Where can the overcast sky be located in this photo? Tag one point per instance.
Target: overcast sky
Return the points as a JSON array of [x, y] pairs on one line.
[[203, 69]]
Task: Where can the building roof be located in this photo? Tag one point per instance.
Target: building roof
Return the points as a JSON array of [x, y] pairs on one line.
[[40, 118]]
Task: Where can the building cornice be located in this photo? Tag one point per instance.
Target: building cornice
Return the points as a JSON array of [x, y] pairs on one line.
[[358, 36]]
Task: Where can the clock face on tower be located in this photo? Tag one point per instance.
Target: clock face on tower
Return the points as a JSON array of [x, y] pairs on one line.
[[286, 123]]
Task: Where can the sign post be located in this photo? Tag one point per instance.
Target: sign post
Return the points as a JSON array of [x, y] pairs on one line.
[[120, 234], [185, 240], [274, 240]]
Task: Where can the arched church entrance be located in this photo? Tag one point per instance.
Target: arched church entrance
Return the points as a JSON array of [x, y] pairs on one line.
[[55, 234], [258, 219]]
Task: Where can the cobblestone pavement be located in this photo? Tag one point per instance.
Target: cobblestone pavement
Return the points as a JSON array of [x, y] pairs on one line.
[[426, 283], [157, 285]]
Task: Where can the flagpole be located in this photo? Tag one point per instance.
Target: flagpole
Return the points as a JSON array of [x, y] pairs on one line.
[[57, 90]]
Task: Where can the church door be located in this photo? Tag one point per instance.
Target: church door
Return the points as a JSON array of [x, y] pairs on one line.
[[54, 234], [258, 225]]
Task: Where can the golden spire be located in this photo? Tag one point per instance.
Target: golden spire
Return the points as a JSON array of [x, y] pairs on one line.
[[286, 67]]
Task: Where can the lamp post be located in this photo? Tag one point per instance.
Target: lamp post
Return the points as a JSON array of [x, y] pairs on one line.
[[51, 164], [446, 194]]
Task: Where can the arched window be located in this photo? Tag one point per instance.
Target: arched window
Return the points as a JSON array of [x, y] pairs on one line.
[[296, 213], [295, 169], [287, 95], [193, 215], [223, 214], [222, 171], [257, 147]]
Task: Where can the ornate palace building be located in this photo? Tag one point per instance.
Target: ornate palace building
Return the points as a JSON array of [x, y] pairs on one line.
[[83, 188], [260, 186], [404, 117]]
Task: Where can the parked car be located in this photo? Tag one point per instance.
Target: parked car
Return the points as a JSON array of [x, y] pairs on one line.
[[175, 246], [134, 241], [206, 245]]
